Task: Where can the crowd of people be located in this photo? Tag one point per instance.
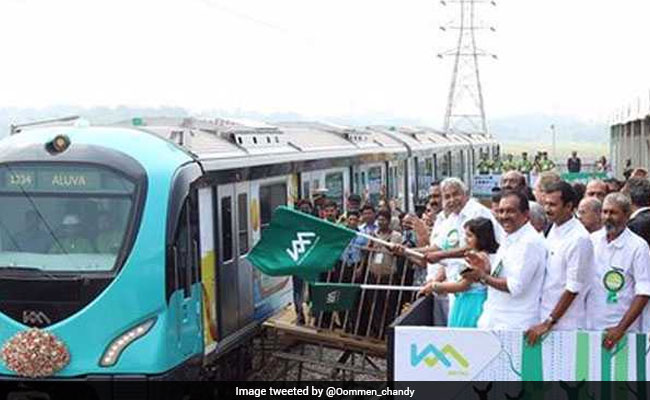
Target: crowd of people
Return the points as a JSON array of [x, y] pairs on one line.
[[364, 261], [552, 256], [568, 257], [540, 163]]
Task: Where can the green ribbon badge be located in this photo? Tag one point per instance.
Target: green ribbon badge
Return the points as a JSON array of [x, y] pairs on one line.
[[613, 282], [452, 241]]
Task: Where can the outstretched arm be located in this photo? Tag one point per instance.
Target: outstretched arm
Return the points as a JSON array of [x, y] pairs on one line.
[[446, 287]]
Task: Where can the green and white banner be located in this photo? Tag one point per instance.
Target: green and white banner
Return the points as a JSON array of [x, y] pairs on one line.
[[441, 354], [482, 185], [583, 177]]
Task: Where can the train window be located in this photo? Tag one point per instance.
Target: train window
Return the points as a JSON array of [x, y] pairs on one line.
[[357, 183], [195, 257], [425, 177], [391, 182], [242, 218], [334, 185], [428, 165], [395, 180], [446, 165], [271, 196], [436, 169], [65, 217], [181, 252], [305, 189], [472, 162], [226, 228], [460, 158], [374, 183]]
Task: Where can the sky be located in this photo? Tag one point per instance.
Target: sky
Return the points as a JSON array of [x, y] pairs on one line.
[[320, 58]]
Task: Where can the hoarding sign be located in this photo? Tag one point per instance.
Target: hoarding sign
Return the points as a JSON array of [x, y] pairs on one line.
[[442, 354]]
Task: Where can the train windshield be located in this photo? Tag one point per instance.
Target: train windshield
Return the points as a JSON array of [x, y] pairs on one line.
[[63, 217]]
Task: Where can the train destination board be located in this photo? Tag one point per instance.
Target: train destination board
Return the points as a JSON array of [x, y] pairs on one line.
[[59, 179]]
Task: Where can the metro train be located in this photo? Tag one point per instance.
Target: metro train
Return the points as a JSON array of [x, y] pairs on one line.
[[126, 243]]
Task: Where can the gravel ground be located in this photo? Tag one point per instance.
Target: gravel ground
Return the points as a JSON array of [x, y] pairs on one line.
[[270, 367]]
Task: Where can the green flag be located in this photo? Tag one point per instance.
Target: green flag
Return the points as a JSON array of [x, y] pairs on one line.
[[299, 244], [333, 296]]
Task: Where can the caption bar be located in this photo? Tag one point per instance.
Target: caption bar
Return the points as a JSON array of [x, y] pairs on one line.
[[323, 392]]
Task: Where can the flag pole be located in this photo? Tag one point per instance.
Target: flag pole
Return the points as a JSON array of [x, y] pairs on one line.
[[389, 244], [390, 287]]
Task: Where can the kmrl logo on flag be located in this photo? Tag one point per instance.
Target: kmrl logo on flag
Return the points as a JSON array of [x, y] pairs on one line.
[[333, 297], [299, 246], [443, 356]]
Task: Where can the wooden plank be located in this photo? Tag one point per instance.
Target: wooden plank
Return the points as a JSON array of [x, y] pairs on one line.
[[284, 322]]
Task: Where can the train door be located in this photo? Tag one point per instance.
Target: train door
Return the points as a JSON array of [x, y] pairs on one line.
[[411, 183], [269, 293], [227, 275], [244, 268], [185, 252], [396, 183], [208, 268]]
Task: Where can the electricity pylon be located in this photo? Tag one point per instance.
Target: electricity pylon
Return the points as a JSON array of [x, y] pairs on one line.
[[465, 108]]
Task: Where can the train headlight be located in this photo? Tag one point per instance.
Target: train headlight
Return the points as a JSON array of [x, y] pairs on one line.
[[59, 144], [117, 346]]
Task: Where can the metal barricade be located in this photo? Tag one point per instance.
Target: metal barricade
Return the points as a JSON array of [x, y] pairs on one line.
[[375, 309]]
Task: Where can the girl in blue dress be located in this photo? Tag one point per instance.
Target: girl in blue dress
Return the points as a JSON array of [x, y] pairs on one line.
[[470, 296]]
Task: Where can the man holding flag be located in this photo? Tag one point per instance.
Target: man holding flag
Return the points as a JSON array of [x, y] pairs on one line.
[[447, 243]]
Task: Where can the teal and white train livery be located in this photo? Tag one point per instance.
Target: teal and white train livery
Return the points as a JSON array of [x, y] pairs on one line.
[[121, 247]]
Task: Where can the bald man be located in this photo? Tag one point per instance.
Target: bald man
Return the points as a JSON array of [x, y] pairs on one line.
[[513, 180], [589, 210]]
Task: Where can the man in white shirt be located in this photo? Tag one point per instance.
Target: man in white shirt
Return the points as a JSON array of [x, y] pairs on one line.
[[447, 237], [447, 240], [516, 276], [569, 265], [620, 284]]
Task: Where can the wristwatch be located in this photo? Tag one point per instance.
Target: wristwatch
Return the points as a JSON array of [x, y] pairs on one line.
[[550, 320]]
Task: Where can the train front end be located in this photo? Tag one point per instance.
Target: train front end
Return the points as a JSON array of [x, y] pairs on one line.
[[83, 255]]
